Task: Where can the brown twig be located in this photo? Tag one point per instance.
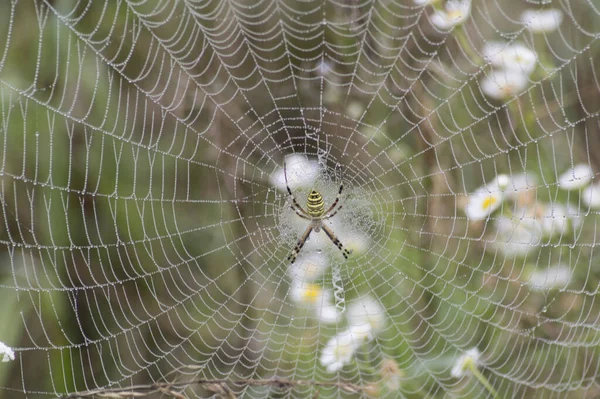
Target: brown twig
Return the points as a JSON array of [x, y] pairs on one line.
[[216, 386]]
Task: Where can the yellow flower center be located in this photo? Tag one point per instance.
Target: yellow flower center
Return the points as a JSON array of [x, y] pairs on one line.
[[312, 293], [341, 351], [468, 364], [508, 90], [375, 322], [454, 15], [489, 201]]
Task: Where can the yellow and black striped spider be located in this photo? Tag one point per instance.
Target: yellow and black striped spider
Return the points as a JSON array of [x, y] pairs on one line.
[[316, 213]]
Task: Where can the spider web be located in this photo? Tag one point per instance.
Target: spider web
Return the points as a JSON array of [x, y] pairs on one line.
[[145, 230]]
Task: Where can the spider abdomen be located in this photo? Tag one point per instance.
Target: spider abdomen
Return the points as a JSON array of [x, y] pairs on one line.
[[315, 204]]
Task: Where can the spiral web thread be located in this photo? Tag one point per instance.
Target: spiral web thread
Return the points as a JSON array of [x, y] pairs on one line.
[[144, 239]]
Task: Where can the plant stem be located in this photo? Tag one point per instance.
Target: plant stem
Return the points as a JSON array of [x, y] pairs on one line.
[[465, 44], [483, 381]]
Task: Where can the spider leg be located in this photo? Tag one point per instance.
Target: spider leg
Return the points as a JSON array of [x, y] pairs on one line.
[[335, 240], [301, 215], [300, 244], [294, 201], [333, 214], [337, 199]]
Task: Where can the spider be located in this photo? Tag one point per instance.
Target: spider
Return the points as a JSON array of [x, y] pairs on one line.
[[316, 213]]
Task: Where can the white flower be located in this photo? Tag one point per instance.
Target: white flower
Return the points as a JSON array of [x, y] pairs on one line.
[[520, 184], [354, 242], [309, 266], [575, 216], [317, 242], [316, 297], [327, 313], [6, 353], [391, 374], [424, 2], [366, 315], [355, 110], [554, 277], [466, 362], [397, 154], [486, 199], [538, 21], [500, 182], [455, 13], [340, 349], [516, 237], [482, 204], [516, 56], [307, 293], [324, 68], [591, 196], [301, 172], [503, 84], [522, 181], [575, 178], [556, 219]]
